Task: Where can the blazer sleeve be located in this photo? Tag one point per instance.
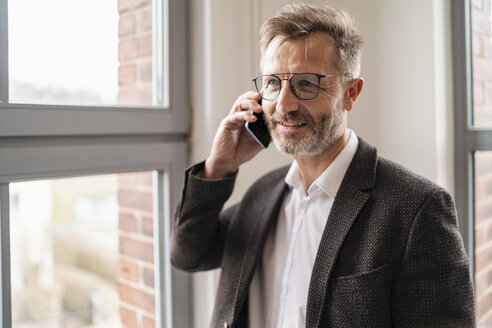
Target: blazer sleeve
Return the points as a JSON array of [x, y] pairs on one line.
[[200, 225], [433, 287]]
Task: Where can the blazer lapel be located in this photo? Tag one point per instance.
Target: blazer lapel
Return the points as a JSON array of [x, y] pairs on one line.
[[348, 202], [263, 215]]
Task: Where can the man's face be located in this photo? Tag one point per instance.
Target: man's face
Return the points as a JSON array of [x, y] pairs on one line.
[[300, 127]]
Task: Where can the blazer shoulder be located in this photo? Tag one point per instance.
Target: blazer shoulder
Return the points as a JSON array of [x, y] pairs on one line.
[[402, 180]]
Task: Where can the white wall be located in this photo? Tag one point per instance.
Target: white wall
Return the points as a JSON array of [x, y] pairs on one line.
[[405, 108]]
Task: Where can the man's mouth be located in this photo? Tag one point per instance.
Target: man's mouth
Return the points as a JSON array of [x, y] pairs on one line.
[[291, 124]]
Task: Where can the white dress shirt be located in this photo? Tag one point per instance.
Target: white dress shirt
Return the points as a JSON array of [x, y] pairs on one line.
[[278, 292]]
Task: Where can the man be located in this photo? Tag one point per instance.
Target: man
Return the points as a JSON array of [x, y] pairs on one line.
[[342, 237]]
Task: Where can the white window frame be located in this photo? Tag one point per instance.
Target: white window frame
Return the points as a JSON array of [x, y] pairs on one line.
[[50, 141], [164, 117]]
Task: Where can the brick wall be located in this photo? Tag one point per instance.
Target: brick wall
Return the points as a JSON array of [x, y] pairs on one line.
[[136, 248], [136, 259], [482, 102], [135, 52]]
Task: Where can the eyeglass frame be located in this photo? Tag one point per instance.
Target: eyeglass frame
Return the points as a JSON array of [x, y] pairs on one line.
[[319, 76]]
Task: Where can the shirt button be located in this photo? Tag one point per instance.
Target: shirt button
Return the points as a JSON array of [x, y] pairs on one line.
[[226, 325]]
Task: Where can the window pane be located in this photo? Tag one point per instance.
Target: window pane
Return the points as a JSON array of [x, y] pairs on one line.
[[482, 62], [483, 236], [80, 52], [82, 252]]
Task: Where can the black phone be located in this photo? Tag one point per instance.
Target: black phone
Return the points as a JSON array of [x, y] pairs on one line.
[[259, 130]]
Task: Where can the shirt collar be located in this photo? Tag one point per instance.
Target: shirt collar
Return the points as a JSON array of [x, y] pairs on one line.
[[330, 180]]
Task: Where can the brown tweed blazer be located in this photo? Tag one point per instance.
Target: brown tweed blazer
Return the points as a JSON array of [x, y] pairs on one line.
[[391, 254]]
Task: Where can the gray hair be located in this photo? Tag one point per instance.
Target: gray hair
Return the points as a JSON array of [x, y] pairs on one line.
[[299, 21]]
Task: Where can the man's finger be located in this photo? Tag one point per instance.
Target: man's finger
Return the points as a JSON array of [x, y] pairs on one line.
[[237, 120]]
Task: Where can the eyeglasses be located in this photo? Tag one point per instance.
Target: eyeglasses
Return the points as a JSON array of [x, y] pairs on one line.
[[304, 85]]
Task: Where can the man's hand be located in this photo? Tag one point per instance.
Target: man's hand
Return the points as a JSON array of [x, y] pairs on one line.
[[233, 145]]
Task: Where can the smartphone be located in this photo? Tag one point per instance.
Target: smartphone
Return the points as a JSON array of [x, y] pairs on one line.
[[259, 130]]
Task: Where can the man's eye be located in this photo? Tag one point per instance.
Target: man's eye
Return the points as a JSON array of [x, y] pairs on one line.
[[271, 83], [305, 83]]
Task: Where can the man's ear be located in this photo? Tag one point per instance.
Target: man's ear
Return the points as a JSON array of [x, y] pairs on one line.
[[352, 91]]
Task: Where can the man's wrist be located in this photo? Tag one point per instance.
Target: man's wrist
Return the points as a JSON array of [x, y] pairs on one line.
[[213, 171]]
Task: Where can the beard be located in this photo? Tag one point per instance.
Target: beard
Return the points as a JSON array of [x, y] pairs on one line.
[[321, 134]]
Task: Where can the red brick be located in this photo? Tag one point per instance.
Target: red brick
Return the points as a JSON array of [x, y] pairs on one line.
[[148, 277], [128, 270], [138, 298], [480, 237], [483, 258], [480, 188], [139, 200], [483, 162], [478, 93], [135, 47], [146, 20], [145, 95], [145, 71], [145, 178], [488, 278], [488, 91], [483, 234], [148, 227], [483, 212], [484, 305], [127, 222], [127, 49], [126, 74], [486, 320], [482, 116], [125, 5], [148, 322], [483, 281], [128, 318], [145, 46], [489, 233], [127, 178], [483, 186], [477, 45], [126, 25], [137, 249], [141, 96], [480, 284], [128, 97], [481, 69]]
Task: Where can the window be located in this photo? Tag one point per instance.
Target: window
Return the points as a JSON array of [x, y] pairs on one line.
[[82, 251], [472, 50], [92, 151]]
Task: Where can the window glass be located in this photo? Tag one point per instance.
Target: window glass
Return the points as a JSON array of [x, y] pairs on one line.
[[82, 252], [483, 236], [80, 52], [482, 62]]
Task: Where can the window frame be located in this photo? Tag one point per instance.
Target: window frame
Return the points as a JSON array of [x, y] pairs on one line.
[[169, 115], [468, 138], [51, 141]]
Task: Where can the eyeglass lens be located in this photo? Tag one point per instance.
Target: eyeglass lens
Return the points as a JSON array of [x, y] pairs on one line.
[[304, 86]]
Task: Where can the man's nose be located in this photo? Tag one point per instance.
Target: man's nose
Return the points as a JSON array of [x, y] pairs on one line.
[[287, 100]]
